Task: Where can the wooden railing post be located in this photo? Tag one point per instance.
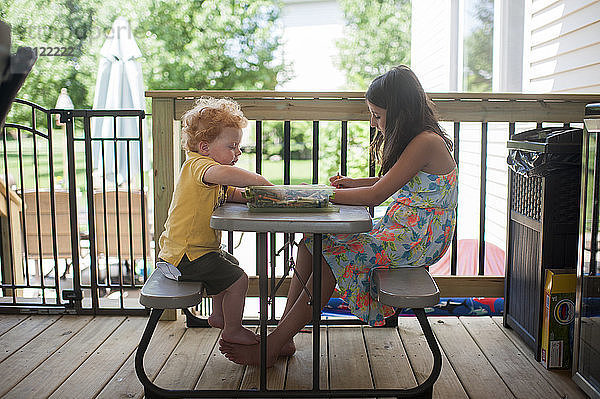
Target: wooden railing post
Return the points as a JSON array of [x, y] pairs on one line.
[[163, 158], [163, 116]]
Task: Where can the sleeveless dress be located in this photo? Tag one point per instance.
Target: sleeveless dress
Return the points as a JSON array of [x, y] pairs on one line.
[[416, 230]]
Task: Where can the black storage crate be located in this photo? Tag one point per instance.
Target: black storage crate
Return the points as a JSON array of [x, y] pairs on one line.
[[543, 217]]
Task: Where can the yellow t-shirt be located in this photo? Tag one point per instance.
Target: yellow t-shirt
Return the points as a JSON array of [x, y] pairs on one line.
[[187, 229]]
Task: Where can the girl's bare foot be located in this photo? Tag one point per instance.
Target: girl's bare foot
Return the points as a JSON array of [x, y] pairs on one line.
[[216, 321], [288, 349], [246, 354], [240, 335]]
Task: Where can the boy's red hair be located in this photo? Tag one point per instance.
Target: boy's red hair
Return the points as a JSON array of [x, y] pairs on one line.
[[205, 121]]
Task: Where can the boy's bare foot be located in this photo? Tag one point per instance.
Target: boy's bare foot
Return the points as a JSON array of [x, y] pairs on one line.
[[240, 335], [216, 321], [246, 354]]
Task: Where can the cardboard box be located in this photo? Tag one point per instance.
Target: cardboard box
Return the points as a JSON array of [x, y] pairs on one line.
[[558, 316]]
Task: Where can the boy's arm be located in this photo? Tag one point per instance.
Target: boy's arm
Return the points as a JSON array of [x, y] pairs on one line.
[[227, 175], [236, 195]]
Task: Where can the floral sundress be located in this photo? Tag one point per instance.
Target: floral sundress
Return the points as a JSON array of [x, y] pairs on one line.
[[416, 230]]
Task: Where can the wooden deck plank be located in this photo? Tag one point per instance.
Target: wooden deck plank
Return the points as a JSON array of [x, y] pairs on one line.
[[348, 362], [91, 377], [560, 380], [184, 366], [9, 321], [58, 367], [507, 360], [275, 374], [22, 333], [475, 373], [125, 383], [18, 365], [448, 385], [389, 364], [99, 359], [220, 373], [299, 368]]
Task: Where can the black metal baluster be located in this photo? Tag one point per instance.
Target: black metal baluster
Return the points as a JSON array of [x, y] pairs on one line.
[[143, 195], [37, 209], [287, 138], [52, 206], [272, 282], [482, 195], [258, 162], [315, 152], [344, 149], [87, 131], [117, 208], [454, 255], [67, 118]]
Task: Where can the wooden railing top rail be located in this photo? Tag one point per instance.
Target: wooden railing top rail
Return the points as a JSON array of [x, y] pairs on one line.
[[349, 105], [586, 97]]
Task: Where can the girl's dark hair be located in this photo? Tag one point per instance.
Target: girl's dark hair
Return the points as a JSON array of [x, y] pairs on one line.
[[408, 112]]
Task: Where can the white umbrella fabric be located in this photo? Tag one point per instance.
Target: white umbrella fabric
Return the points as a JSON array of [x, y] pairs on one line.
[[119, 85]]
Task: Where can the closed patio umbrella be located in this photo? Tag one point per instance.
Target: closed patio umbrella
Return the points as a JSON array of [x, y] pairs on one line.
[[119, 85]]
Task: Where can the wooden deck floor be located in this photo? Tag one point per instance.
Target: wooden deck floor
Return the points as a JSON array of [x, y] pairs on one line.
[[85, 357]]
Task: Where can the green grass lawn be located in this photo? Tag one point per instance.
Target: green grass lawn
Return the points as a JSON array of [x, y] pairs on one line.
[[301, 170], [38, 162]]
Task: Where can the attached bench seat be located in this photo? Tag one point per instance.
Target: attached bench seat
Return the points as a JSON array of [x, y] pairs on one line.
[[160, 292], [407, 287], [412, 287]]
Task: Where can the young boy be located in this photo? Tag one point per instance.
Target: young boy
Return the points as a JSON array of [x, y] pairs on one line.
[[211, 135]]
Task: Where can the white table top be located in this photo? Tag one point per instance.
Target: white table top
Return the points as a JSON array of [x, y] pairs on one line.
[[237, 217]]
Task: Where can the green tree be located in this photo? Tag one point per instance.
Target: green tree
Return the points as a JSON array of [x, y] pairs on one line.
[[208, 44], [376, 38], [212, 44], [478, 47], [64, 23]]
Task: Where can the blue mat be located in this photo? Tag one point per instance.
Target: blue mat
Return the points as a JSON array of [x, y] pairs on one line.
[[446, 307]]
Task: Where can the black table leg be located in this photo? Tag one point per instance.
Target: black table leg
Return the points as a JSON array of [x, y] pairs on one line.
[[263, 294], [317, 246]]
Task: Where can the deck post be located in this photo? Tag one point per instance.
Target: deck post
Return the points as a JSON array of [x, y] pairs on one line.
[[163, 116]]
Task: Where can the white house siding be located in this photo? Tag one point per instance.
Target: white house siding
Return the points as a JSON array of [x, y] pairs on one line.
[[310, 30], [564, 50]]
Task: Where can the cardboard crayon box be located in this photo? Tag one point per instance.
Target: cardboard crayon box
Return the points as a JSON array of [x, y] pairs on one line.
[[558, 317]]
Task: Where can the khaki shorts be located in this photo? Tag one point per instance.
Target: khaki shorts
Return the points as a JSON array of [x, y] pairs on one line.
[[216, 270]]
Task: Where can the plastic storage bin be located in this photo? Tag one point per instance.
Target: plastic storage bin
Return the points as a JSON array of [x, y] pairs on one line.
[[289, 198]]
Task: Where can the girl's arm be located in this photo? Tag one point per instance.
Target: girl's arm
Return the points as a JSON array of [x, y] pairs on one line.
[[232, 176], [348, 182], [416, 156]]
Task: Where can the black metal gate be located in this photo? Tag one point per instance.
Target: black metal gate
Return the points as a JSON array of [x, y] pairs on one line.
[[74, 211]]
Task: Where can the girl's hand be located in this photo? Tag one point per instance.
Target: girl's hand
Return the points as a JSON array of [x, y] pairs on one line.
[[339, 181]]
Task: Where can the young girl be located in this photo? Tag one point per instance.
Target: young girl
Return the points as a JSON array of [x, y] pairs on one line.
[[211, 135], [418, 171]]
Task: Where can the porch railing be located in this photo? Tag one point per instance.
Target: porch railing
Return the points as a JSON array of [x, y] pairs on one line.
[[508, 113], [480, 124]]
